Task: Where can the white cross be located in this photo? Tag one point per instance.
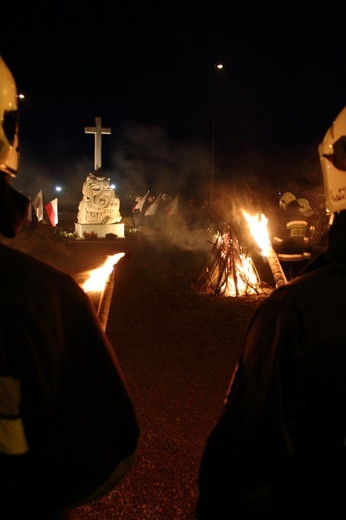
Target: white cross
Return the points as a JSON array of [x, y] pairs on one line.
[[98, 131]]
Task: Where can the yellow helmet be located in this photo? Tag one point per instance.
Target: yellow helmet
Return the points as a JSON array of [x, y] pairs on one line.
[[305, 207], [285, 199], [13, 205], [332, 153], [8, 122]]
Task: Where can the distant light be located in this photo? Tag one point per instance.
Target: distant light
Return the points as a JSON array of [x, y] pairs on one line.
[[219, 66], [58, 188], [21, 96], [113, 186]]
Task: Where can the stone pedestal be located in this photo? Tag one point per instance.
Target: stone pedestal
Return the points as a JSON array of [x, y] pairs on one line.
[[101, 230]]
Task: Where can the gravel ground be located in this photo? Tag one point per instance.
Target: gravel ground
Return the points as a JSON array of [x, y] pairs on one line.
[[177, 348]]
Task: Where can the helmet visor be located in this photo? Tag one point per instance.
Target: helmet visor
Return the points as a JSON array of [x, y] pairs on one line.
[[10, 125]]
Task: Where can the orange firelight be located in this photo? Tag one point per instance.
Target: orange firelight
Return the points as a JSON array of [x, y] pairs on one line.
[[259, 231], [258, 228], [98, 277], [101, 280]]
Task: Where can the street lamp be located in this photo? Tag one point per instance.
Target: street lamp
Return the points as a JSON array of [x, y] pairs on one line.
[[217, 67]]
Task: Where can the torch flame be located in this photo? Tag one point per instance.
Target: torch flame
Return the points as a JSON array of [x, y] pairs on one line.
[[98, 277], [259, 231]]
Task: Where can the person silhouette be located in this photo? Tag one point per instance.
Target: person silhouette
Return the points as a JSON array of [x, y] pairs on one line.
[[279, 444], [68, 428]]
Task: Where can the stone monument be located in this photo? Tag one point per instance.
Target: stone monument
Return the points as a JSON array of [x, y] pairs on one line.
[[99, 210]]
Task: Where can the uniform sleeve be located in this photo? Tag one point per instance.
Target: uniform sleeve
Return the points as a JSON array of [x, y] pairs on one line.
[[78, 415], [95, 402], [256, 435]]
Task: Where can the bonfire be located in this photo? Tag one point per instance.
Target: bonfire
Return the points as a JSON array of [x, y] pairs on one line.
[[230, 270]]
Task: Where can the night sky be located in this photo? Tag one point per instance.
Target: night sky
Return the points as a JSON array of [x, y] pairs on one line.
[[149, 72]]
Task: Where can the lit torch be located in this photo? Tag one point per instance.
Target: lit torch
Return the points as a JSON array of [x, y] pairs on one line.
[[258, 228], [102, 279]]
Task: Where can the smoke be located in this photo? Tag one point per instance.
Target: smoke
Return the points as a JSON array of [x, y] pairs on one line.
[[146, 158], [139, 158]]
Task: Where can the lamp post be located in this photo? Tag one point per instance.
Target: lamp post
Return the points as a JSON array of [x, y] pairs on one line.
[[217, 67]]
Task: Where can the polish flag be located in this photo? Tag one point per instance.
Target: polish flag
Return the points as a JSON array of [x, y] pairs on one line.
[[52, 211], [141, 202], [37, 204], [153, 207], [172, 209]]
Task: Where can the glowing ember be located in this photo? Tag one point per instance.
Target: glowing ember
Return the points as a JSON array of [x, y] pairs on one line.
[[230, 270], [98, 277], [243, 278]]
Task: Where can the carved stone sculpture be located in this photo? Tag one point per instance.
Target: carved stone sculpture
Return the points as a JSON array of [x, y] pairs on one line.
[[100, 204]]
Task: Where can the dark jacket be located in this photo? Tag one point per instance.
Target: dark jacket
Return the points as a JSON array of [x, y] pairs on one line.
[[292, 234], [66, 418], [278, 451]]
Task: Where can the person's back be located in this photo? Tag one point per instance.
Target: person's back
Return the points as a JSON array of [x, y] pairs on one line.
[[292, 232], [317, 478], [291, 240], [310, 375], [71, 420], [279, 447], [68, 429]]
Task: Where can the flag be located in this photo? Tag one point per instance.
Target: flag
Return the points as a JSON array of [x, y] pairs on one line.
[[172, 208], [52, 211], [29, 215], [141, 202], [37, 204], [153, 207]]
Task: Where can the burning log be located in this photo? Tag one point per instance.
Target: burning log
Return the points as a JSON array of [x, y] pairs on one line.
[[275, 266], [258, 228], [105, 300], [101, 280]]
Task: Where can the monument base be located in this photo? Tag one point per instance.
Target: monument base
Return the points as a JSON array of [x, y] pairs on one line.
[[101, 230]]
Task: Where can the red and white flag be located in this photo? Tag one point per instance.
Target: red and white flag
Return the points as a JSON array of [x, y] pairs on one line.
[[52, 211], [153, 206], [141, 202], [37, 204], [172, 208]]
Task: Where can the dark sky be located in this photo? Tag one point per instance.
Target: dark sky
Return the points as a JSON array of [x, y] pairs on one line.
[[149, 72]]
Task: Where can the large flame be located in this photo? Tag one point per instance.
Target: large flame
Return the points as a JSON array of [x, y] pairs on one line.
[[98, 277], [242, 277], [258, 228], [230, 270], [259, 231]]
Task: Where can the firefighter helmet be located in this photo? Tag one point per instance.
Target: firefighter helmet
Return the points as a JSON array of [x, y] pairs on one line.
[[13, 205], [285, 199], [8, 122], [332, 152], [305, 207]]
